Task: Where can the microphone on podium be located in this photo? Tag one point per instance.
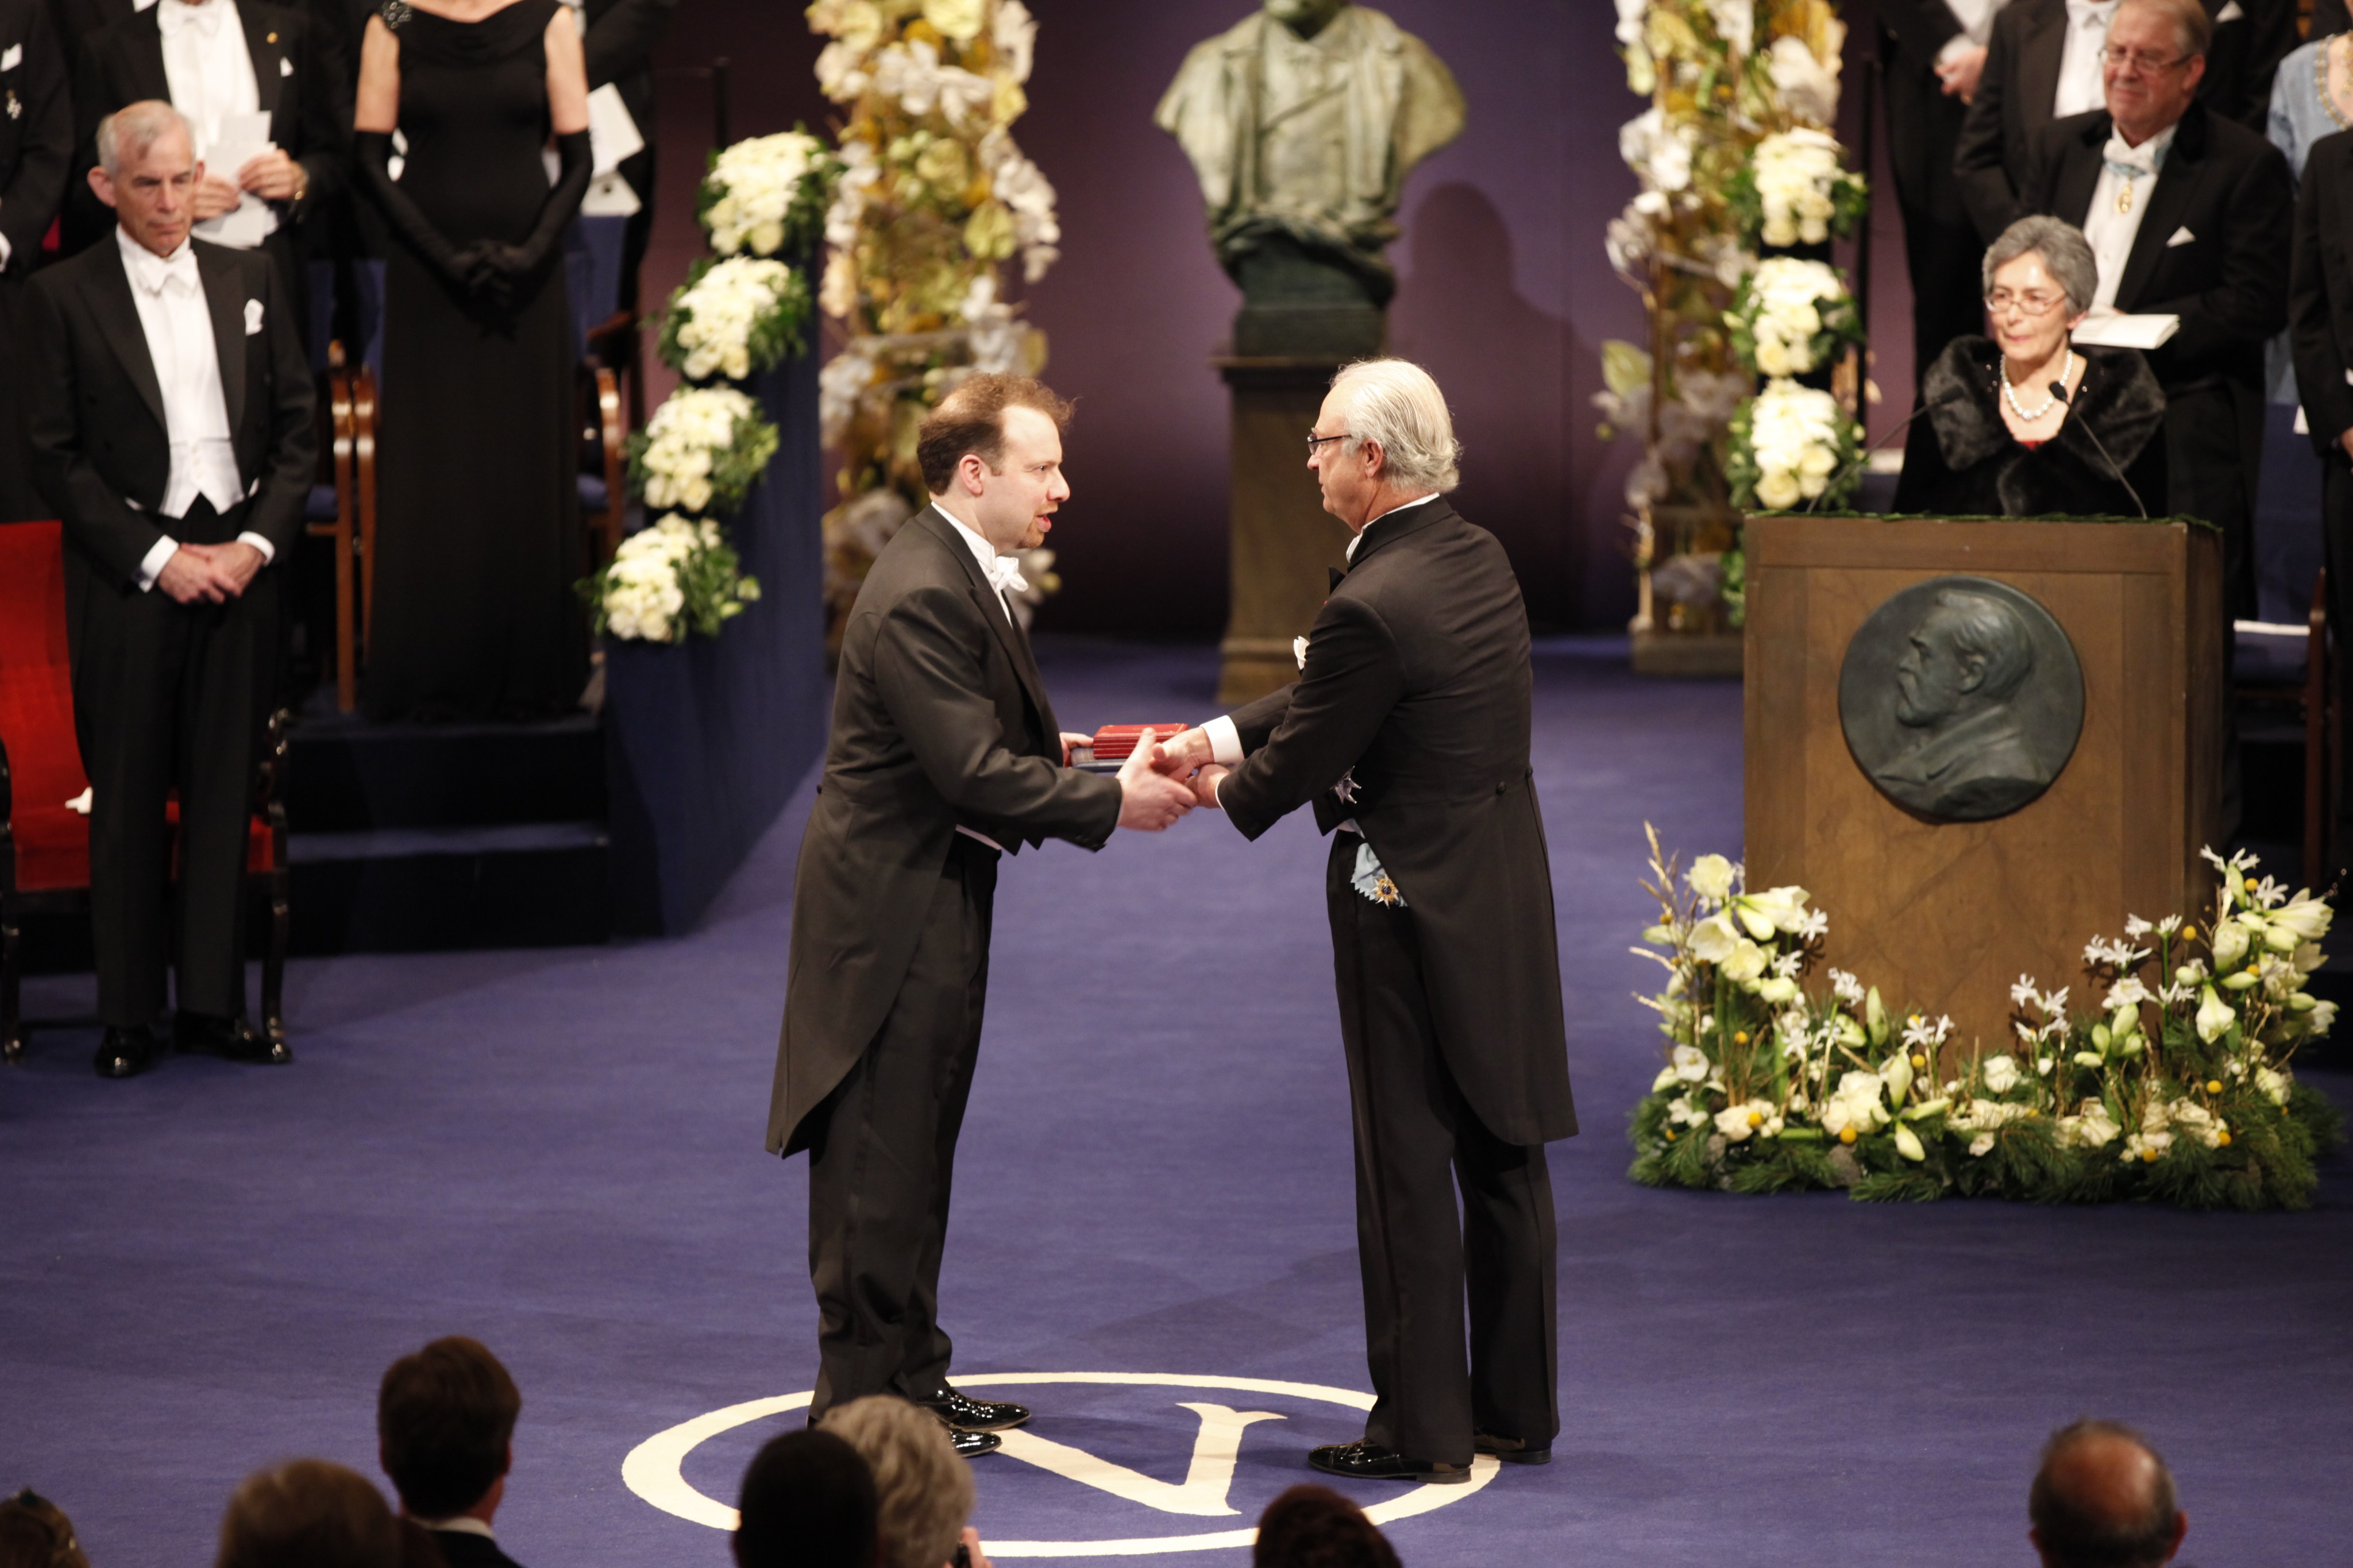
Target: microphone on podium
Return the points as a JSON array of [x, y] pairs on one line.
[[2059, 391], [1841, 477]]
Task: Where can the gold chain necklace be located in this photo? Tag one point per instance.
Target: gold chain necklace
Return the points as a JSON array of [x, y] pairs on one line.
[[2320, 63]]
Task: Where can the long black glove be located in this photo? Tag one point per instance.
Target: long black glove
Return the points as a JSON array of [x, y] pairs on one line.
[[374, 150], [499, 272]]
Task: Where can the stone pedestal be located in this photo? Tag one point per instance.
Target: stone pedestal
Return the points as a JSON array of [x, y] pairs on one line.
[[1282, 540]]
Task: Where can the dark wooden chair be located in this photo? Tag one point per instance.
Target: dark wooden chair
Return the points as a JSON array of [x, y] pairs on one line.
[[605, 425], [342, 509], [44, 844], [2285, 671]]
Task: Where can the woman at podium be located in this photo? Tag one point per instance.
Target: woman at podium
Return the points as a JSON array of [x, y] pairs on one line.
[[2025, 424]]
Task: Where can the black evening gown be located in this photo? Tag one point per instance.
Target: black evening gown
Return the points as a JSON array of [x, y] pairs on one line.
[[478, 538]]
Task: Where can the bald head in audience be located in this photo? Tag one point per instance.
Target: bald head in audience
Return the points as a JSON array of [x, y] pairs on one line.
[[2104, 1498]]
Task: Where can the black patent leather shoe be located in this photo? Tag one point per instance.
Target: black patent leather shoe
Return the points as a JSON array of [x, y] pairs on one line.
[[1371, 1462], [235, 1039], [973, 1445], [1511, 1450], [126, 1053], [962, 1415]]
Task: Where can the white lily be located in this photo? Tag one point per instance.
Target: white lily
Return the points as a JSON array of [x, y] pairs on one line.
[[2215, 1016]]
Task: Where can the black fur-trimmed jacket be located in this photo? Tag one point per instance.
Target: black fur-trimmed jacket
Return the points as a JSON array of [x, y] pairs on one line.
[[1960, 460]]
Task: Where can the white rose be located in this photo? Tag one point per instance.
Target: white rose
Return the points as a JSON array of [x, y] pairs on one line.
[[1711, 877], [2001, 1074]]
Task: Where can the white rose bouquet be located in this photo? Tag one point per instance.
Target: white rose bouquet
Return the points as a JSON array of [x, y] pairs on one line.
[[669, 580], [735, 317], [1791, 317], [1789, 443], [1795, 190], [2177, 1088], [702, 451], [768, 194]]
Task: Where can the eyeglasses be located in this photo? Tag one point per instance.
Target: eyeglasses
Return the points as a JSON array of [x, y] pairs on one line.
[[2034, 303], [2138, 60], [1313, 441]]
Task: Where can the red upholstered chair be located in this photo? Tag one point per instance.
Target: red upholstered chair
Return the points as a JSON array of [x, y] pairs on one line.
[[44, 845]]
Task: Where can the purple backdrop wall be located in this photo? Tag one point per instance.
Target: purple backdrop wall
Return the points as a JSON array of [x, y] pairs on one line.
[[1505, 293]]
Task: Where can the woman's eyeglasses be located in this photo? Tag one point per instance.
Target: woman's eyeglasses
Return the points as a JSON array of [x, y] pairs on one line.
[[2033, 302]]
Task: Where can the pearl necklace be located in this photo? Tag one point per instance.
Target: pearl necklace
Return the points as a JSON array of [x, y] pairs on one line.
[[2010, 393]]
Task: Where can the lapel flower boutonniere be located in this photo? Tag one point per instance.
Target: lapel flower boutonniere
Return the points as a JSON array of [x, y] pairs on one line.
[[1298, 651]]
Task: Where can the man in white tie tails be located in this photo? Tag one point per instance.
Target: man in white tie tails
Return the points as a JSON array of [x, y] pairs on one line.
[[171, 429]]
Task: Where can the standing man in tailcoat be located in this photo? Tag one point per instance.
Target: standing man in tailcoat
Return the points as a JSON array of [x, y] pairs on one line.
[[1407, 732], [944, 756], [35, 153]]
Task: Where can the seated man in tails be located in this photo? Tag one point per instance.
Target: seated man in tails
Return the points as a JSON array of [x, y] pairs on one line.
[[171, 429], [1408, 730], [944, 756]]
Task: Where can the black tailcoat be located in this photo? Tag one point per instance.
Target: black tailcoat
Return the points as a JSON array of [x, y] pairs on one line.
[[2320, 327], [1995, 157], [35, 153], [1924, 132]]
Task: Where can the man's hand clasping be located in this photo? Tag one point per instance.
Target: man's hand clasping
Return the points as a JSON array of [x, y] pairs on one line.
[[1149, 800]]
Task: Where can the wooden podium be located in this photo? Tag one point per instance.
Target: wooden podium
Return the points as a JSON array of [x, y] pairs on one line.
[[1944, 916]]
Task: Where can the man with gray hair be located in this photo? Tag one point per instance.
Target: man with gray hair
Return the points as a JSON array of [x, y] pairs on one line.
[[2103, 1498], [171, 429], [1408, 733]]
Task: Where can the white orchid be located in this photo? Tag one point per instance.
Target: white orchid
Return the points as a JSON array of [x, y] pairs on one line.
[[1688, 1063], [1808, 89], [1659, 151]]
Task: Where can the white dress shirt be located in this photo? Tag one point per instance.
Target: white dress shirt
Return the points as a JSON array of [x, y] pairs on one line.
[[2127, 177], [1002, 571], [2080, 88], [178, 325], [210, 71], [1225, 738]]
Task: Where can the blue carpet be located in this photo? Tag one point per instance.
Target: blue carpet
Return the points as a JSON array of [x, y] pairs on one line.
[[208, 1268]]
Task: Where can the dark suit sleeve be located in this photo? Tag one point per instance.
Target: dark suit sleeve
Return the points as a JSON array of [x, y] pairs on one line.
[[293, 457], [930, 679], [1986, 185], [88, 219], [1354, 677], [2319, 359], [327, 113], [2248, 302], [1922, 26], [99, 521], [46, 146], [1254, 723], [622, 41]]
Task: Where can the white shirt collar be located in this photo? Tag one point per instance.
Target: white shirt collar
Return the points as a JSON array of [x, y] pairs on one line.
[[2090, 13], [464, 1524], [2147, 158], [1003, 571], [1401, 506], [151, 271], [172, 16]]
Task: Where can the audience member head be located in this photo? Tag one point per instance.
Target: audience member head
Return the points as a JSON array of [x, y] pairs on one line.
[[308, 1514], [923, 1491], [445, 1420], [2104, 1498], [35, 1533], [1315, 1526], [147, 172], [2040, 280], [992, 457], [2155, 58], [808, 1502]]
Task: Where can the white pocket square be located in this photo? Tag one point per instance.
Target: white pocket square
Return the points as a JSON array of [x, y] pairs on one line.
[[285, 66], [12, 58], [2180, 236], [2229, 13], [252, 317]]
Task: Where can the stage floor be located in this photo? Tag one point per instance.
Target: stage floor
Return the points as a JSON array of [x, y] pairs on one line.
[[208, 1269]]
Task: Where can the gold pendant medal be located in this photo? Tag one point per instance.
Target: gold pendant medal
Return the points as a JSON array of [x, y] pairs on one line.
[[2124, 198]]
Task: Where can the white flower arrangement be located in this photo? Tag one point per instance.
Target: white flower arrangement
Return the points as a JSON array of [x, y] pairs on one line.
[[766, 194], [1791, 317], [669, 580], [733, 317], [1798, 191], [2183, 1093], [702, 451], [1789, 443]]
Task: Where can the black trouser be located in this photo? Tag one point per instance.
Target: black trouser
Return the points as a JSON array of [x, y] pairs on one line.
[[1942, 251], [2213, 449], [1417, 1140], [171, 698], [882, 1157], [2337, 555]]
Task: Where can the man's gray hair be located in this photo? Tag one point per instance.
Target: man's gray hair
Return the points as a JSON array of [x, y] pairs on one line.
[[125, 135], [1394, 403], [923, 1491], [2066, 255], [2190, 23]]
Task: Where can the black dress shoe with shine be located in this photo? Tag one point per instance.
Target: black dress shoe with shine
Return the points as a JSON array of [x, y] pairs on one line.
[[235, 1039], [1371, 1462], [973, 1445], [960, 1414], [1511, 1450], [126, 1052]]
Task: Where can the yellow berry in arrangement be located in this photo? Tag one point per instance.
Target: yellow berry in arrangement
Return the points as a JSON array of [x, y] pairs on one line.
[[1918, 1060], [2222, 1139], [1846, 1134], [2255, 967], [2250, 884], [1755, 1118], [2213, 1086], [1739, 1036], [1671, 1134], [2190, 933]]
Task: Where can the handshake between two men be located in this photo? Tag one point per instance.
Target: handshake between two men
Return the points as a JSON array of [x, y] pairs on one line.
[[1159, 781]]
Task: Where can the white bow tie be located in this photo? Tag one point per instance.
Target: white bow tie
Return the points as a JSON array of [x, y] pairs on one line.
[[1004, 576], [2131, 161], [172, 16], [154, 272], [2079, 12]]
